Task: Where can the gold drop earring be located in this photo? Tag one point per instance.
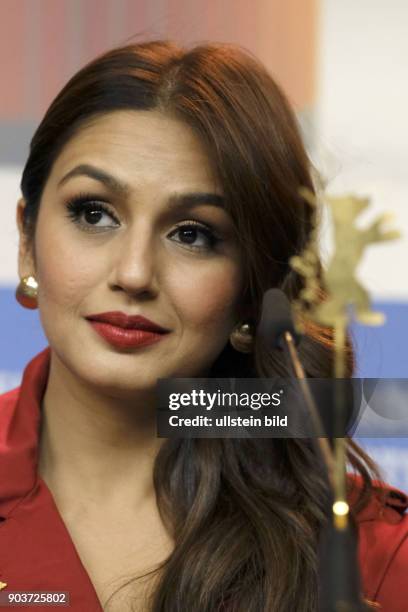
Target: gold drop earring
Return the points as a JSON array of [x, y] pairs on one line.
[[27, 291], [242, 338]]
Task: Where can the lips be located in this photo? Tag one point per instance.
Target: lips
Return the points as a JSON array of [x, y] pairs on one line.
[[124, 321], [125, 338]]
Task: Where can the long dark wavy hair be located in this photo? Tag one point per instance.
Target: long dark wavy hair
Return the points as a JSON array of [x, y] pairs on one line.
[[245, 514]]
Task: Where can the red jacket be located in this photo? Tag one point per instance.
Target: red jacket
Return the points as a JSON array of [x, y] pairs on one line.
[[36, 550]]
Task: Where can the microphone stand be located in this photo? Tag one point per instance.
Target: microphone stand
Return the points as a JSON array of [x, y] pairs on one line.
[[289, 348]]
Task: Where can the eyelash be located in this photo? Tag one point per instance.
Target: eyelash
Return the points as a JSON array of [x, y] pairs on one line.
[[87, 202]]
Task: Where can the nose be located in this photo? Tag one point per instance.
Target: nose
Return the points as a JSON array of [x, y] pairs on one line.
[[136, 263]]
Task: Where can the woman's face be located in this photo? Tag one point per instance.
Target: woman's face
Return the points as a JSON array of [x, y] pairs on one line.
[[133, 256]]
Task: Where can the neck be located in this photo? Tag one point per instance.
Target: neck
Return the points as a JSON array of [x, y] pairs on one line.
[[100, 445]]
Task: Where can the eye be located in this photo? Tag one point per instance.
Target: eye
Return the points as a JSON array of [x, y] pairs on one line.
[[87, 212], [189, 231]]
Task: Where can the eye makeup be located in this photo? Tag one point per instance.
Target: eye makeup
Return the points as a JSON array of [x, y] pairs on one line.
[[91, 205]]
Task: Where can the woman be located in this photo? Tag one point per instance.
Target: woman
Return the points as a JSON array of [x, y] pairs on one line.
[[163, 184]]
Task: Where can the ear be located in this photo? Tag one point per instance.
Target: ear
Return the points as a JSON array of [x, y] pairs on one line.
[[26, 265]]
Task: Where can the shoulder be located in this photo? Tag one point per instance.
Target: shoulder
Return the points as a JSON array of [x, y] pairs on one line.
[[383, 546]]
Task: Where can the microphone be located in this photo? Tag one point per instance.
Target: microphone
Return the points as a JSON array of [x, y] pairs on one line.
[[276, 319], [277, 330]]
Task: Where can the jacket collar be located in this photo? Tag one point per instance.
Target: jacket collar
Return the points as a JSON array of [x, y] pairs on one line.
[[386, 502], [20, 421], [37, 550]]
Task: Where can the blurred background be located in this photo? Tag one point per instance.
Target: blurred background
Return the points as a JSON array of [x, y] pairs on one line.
[[343, 66]]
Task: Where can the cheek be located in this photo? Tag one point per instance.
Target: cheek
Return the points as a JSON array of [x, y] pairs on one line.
[[208, 297], [63, 272]]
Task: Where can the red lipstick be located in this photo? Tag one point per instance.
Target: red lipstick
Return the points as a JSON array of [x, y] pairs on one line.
[[123, 330]]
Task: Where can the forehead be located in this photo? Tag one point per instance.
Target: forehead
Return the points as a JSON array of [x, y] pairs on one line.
[[140, 145]]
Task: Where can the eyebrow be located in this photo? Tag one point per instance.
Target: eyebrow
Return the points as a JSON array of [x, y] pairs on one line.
[[122, 189]]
